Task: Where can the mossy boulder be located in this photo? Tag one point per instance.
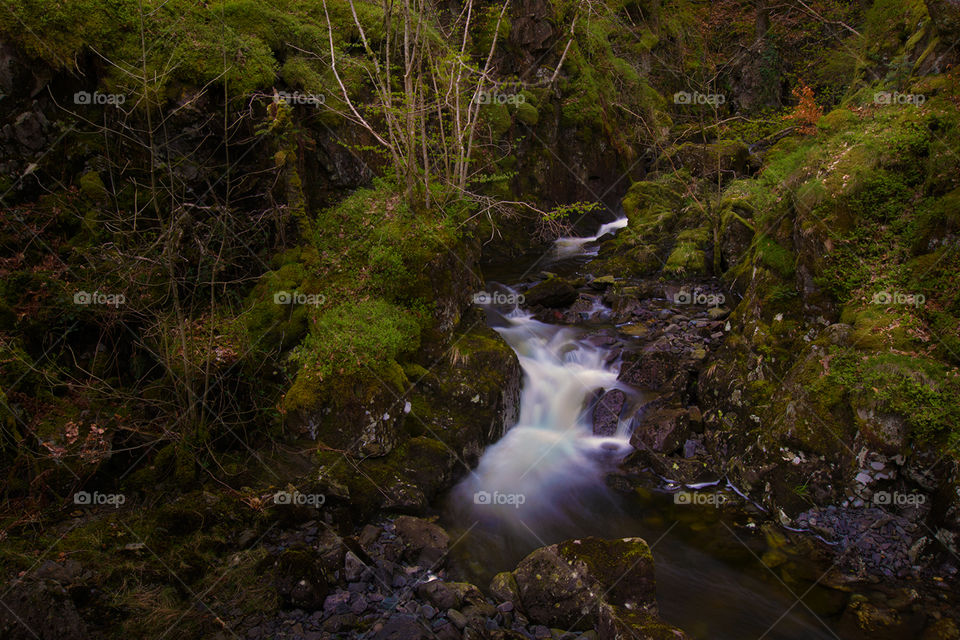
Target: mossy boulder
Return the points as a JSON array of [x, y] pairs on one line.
[[589, 583], [554, 293], [361, 413], [458, 406], [527, 114]]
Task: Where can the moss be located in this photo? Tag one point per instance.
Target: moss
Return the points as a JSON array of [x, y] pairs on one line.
[[879, 328], [348, 337], [836, 121], [527, 114], [91, 186], [775, 256], [497, 118], [686, 260], [919, 390]]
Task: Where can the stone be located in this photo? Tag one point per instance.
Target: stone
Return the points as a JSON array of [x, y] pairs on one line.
[[424, 542], [503, 587], [606, 415], [457, 618], [401, 628], [662, 430], [561, 585], [440, 594], [554, 293]]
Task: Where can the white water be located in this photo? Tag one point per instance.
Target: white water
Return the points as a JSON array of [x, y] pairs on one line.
[[570, 246], [550, 460], [549, 471]]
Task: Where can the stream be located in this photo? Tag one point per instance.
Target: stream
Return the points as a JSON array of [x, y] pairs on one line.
[[546, 480]]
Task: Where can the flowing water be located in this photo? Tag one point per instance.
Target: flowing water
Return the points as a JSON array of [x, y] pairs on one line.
[[546, 481]]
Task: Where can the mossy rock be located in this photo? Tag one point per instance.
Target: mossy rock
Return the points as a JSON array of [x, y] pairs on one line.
[[497, 117], [92, 187], [561, 585], [686, 260], [554, 293], [527, 114]]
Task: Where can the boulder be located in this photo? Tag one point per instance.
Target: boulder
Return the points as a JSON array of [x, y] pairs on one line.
[[554, 293], [662, 429], [423, 542], [606, 415], [577, 584]]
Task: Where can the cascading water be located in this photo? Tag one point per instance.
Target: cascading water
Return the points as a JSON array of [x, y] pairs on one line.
[[551, 452], [571, 246], [546, 481]]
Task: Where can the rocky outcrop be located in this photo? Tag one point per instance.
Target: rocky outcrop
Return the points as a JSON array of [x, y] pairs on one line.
[[451, 412]]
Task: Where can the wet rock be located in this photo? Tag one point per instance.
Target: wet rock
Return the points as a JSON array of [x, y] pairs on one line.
[[353, 567], [457, 618], [659, 366], [439, 594], [554, 293], [560, 585], [401, 628], [504, 587], [606, 415]]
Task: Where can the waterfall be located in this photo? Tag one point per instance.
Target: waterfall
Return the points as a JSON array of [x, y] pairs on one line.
[[542, 471]]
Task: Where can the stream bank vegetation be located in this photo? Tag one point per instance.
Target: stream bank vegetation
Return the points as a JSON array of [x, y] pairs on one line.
[[287, 203]]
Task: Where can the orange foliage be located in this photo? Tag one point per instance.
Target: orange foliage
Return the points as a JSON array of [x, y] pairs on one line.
[[807, 112]]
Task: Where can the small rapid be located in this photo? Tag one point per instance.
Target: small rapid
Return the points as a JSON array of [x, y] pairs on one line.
[[549, 478], [566, 247], [536, 477]]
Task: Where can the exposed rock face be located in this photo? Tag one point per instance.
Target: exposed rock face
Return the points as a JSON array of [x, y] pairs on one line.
[[457, 407], [531, 34]]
